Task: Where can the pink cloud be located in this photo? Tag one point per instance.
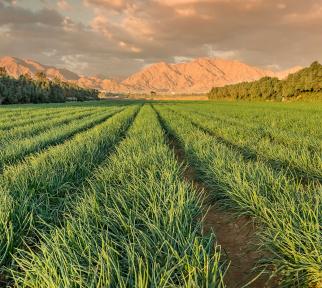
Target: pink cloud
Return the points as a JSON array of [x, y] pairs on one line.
[[64, 5]]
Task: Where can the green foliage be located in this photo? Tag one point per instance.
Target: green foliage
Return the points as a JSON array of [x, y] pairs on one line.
[[86, 202], [286, 205], [296, 85], [53, 135], [134, 225], [37, 187], [40, 90]]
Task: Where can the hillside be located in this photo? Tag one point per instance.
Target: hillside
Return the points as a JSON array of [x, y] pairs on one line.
[[101, 84], [197, 76], [16, 67], [41, 88]]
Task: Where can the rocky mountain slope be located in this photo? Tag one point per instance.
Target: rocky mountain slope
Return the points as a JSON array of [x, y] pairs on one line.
[[197, 76], [16, 67]]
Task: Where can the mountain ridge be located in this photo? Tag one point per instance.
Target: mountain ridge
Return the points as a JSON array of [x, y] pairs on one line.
[[16, 67], [196, 76]]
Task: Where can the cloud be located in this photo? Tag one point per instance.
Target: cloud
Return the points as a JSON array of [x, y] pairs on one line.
[[50, 53], [64, 5], [224, 54], [75, 62], [108, 4], [257, 31], [119, 32], [19, 16]]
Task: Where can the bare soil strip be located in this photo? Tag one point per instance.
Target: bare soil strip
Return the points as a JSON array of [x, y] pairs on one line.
[[235, 234]]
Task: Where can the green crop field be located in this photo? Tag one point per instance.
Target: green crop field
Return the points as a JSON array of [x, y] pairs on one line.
[[161, 194]]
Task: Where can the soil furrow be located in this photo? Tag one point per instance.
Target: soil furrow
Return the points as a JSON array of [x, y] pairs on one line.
[[235, 234]]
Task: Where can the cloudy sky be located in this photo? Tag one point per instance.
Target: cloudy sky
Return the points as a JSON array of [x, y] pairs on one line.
[[117, 37]]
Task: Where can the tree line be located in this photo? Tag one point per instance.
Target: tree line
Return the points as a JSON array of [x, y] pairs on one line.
[[40, 89], [307, 81]]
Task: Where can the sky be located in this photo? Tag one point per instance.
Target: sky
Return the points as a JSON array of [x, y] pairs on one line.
[[118, 37]]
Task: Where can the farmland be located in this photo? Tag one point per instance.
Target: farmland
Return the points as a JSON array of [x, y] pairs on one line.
[[161, 194]]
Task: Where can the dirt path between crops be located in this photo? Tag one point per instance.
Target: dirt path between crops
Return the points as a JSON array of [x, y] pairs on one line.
[[235, 235], [2, 281]]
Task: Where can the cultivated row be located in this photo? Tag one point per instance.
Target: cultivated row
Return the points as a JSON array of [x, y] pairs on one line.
[[33, 193], [303, 159], [289, 213], [133, 226]]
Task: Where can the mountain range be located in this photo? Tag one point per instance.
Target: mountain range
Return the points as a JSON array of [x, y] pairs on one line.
[[196, 76]]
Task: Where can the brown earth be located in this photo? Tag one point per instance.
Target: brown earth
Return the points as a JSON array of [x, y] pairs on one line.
[[237, 237], [235, 234]]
